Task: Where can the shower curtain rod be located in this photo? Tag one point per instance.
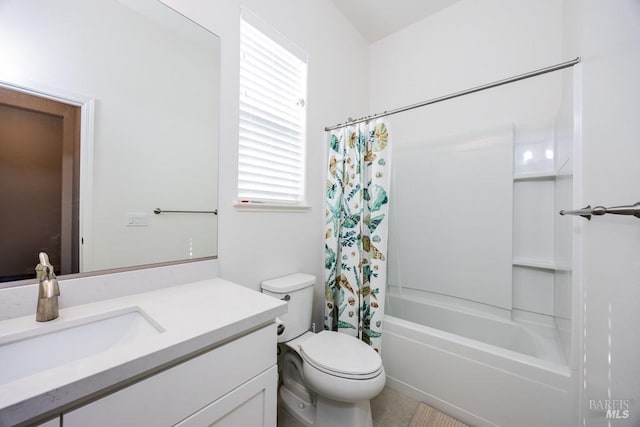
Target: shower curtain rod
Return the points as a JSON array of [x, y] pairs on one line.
[[497, 83]]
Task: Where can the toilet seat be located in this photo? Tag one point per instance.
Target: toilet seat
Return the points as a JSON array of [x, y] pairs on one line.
[[341, 355]]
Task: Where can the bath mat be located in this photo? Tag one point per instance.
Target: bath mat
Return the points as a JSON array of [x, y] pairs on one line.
[[426, 416]]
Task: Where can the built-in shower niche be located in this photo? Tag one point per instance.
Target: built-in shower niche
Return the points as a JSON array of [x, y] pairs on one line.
[[542, 184]]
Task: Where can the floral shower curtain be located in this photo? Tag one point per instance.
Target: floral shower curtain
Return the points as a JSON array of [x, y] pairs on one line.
[[356, 230]]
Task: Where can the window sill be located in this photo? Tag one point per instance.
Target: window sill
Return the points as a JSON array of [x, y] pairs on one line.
[[270, 207]]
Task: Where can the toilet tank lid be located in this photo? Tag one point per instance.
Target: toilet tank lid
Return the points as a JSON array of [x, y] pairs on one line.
[[290, 283]]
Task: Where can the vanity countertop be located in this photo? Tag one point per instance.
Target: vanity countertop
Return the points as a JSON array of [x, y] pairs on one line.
[[187, 319]]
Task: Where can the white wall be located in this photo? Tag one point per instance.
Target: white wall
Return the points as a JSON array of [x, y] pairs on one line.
[[254, 246], [465, 45], [608, 37]]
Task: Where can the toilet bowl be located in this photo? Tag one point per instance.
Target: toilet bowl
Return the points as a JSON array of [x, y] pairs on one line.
[[341, 367], [327, 378]]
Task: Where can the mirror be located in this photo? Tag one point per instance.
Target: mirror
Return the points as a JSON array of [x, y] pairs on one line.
[[145, 82]]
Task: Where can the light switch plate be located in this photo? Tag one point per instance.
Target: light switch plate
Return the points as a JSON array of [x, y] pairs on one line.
[[137, 219]]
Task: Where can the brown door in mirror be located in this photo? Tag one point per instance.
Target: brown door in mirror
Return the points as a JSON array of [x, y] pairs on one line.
[[39, 184]]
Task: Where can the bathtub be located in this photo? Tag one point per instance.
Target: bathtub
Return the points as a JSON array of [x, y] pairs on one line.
[[482, 369]]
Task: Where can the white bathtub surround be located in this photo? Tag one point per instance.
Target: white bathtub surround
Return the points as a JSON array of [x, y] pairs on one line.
[[482, 369], [521, 333], [357, 208], [185, 319], [453, 199]]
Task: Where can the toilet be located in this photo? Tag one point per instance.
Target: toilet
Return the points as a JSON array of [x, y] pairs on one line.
[[328, 378]]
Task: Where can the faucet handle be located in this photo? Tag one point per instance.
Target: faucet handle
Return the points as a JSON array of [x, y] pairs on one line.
[[44, 262], [44, 258]]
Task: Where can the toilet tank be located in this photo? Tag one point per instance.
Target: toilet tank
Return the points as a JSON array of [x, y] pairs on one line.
[[297, 291]]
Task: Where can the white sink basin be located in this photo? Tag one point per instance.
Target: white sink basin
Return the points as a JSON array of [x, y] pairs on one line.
[[60, 342]]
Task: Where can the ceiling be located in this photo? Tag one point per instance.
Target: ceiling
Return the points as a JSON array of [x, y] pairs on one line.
[[376, 19]]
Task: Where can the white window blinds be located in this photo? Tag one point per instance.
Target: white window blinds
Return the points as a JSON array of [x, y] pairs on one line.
[[272, 120]]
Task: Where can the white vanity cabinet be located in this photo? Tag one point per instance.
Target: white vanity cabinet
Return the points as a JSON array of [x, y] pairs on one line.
[[234, 384]]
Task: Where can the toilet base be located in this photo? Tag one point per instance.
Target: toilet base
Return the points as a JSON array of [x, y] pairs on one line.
[[299, 408], [326, 412], [332, 413]]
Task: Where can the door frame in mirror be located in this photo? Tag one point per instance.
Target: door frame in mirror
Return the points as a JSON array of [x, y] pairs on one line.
[[87, 105]]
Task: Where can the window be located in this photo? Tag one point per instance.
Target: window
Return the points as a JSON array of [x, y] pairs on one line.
[[272, 118]]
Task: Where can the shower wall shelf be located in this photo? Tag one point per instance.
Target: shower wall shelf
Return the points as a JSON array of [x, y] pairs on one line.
[[542, 179], [535, 176], [541, 264], [530, 176]]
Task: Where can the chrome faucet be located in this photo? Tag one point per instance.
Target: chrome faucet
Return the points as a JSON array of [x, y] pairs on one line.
[[48, 290]]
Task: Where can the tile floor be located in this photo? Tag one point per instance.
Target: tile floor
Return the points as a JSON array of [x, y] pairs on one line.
[[389, 409], [392, 409]]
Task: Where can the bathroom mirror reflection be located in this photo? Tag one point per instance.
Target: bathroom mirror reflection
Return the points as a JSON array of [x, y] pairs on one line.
[[138, 88]]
